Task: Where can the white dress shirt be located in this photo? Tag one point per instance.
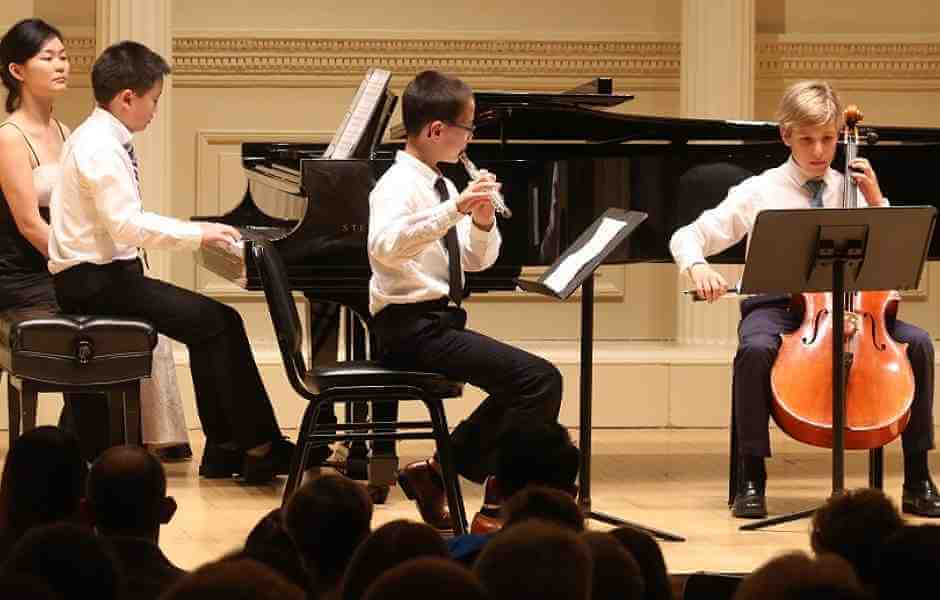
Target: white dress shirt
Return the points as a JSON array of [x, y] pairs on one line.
[[96, 213], [407, 223], [725, 225]]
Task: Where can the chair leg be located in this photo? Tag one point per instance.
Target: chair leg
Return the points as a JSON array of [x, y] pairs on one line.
[[297, 462], [876, 468], [132, 433], [733, 460], [15, 410], [116, 431], [28, 400], [445, 453]]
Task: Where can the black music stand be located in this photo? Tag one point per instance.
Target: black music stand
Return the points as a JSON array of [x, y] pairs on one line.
[[576, 269], [836, 250]]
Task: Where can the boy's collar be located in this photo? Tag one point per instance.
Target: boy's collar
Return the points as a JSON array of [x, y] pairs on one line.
[[121, 131], [801, 176], [422, 168]]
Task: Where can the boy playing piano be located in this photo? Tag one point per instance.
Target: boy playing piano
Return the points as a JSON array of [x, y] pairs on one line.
[[98, 224]]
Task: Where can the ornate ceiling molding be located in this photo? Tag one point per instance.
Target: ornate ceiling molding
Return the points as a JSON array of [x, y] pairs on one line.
[[201, 60]]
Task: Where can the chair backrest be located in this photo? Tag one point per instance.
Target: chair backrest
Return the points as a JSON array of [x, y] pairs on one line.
[[283, 310]]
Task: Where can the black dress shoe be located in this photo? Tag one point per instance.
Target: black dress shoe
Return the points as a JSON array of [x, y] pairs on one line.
[[421, 481], [921, 498], [749, 500], [257, 470], [219, 462], [174, 453]]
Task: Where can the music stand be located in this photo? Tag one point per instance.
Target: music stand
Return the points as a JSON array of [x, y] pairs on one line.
[[575, 268], [836, 250]]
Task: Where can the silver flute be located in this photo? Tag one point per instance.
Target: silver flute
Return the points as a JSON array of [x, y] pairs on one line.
[[495, 197]]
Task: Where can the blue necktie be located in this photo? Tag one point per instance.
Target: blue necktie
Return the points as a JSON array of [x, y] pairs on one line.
[[454, 278], [815, 187], [130, 152]]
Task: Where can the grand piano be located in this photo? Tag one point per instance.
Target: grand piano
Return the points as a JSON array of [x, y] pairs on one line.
[[563, 160]]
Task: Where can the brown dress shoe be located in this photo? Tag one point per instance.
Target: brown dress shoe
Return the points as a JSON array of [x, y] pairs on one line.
[[422, 482], [488, 520]]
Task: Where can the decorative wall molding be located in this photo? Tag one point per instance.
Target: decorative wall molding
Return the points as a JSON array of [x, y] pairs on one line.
[[81, 52], [235, 59], [219, 59], [897, 63]]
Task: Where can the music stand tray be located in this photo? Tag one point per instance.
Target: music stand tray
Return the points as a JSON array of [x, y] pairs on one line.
[[836, 250], [574, 269]]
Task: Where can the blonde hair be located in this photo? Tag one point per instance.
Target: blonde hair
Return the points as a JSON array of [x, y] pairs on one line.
[[809, 103]]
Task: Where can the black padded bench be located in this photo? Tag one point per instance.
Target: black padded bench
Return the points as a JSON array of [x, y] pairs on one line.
[[45, 351]]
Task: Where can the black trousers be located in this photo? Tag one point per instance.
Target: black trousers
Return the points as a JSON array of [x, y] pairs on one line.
[[230, 396], [763, 319], [522, 387]]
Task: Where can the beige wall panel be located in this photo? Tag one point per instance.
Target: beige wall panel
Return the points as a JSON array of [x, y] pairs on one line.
[[66, 14], [555, 16], [871, 17], [700, 395]]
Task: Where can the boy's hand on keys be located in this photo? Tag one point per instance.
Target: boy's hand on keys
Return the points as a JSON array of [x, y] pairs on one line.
[[219, 235]]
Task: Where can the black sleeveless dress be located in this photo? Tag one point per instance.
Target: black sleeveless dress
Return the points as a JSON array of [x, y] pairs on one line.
[[24, 276]]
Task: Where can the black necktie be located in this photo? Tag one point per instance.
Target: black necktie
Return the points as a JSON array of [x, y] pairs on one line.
[[815, 187], [130, 152], [453, 251]]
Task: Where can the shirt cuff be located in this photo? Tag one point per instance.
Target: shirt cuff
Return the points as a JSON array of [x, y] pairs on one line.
[[686, 262], [451, 214], [192, 236]]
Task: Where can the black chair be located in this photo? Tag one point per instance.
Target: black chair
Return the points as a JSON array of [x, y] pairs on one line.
[[354, 380]]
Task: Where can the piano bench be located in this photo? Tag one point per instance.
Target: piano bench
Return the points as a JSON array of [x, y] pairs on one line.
[[45, 351]]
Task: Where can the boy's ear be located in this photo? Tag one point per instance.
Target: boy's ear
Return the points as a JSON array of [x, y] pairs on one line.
[[125, 96], [785, 134], [435, 128]]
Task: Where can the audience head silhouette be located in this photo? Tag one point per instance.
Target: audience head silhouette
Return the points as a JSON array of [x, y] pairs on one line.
[[390, 545], [426, 579], [546, 504], [616, 574], [854, 525], [644, 548], [43, 480], [536, 453], [239, 579], [535, 560], [327, 518], [797, 576], [70, 559], [127, 493]]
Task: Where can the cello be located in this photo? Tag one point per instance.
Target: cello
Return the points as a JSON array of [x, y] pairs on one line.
[[879, 379]]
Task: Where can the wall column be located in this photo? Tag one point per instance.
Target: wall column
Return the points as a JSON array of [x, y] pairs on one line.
[[717, 81]]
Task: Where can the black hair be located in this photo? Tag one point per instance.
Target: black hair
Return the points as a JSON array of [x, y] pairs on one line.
[[433, 96], [126, 65], [22, 42], [70, 559], [125, 487], [536, 453], [43, 479]]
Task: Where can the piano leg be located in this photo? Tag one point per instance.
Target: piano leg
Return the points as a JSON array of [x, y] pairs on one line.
[[380, 466]]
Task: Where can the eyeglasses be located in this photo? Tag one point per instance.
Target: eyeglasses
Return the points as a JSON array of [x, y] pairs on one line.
[[468, 128]]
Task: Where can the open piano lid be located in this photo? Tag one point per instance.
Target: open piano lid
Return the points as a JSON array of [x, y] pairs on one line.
[[577, 115]]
